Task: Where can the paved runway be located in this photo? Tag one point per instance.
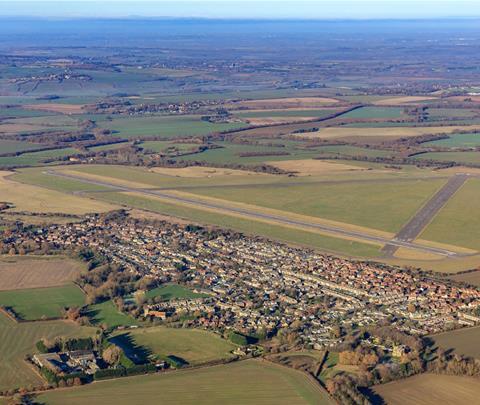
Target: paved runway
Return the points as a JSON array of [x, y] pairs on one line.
[[424, 216]]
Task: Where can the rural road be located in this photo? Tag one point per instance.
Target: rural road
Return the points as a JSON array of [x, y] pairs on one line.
[[258, 215], [424, 216]]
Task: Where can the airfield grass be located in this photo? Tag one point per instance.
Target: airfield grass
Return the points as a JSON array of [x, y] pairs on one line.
[[380, 205], [430, 389], [165, 126], [46, 200], [233, 384], [21, 272], [462, 341], [278, 232], [456, 223], [194, 346], [172, 291], [18, 339], [37, 303], [107, 313]]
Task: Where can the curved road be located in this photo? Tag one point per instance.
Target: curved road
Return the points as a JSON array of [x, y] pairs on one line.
[[258, 215]]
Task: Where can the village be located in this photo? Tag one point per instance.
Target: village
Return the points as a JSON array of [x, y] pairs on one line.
[[253, 285]]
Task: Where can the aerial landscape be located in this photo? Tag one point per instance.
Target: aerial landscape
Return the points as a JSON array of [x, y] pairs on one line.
[[204, 204]]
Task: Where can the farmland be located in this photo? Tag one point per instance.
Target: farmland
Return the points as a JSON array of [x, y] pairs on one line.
[[430, 389], [192, 346], [462, 341], [17, 273], [165, 127], [38, 303], [457, 141], [238, 383], [18, 339]]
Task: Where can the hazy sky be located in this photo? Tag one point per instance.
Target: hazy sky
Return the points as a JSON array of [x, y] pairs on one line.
[[312, 9]]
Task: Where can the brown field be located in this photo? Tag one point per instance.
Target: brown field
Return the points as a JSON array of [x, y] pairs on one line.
[[29, 198], [277, 120], [15, 128], [292, 102], [312, 167], [463, 341], [402, 100], [431, 389], [390, 132], [20, 273], [472, 278], [476, 99], [202, 172], [56, 107]]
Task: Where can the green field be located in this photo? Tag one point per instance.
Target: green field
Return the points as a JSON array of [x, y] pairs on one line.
[[35, 303], [106, 313], [36, 158], [164, 126], [457, 224], [353, 203], [460, 157], [18, 339], [375, 112], [7, 146], [172, 291], [165, 146], [193, 346], [355, 151], [246, 382], [457, 141]]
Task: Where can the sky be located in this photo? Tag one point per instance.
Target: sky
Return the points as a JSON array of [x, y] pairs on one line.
[[269, 9]]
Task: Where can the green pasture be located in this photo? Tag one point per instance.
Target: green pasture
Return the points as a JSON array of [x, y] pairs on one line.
[[457, 141], [172, 291], [108, 314], [38, 303]]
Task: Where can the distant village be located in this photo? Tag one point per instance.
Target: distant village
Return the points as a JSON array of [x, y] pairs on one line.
[[252, 285]]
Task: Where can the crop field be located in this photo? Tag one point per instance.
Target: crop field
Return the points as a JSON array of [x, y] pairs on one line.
[[37, 303], [461, 157], [21, 273], [7, 146], [372, 134], [237, 383], [375, 112], [172, 291], [193, 346], [290, 113], [169, 147], [472, 278], [354, 151], [165, 126], [456, 224], [430, 389], [36, 158], [18, 339], [457, 141], [106, 313], [462, 341], [45, 201]]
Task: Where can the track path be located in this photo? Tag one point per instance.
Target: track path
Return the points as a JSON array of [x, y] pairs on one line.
[[334, 231], [424, 216]]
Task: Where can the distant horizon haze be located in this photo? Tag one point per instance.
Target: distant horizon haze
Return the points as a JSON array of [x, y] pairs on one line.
[[234, 9]]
